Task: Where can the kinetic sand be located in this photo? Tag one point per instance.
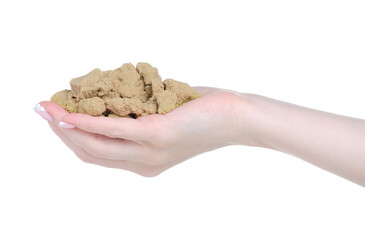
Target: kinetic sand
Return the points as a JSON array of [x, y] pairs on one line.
[[127, 91]]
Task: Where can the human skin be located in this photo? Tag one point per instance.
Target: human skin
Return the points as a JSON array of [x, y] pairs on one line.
[[151, 144]]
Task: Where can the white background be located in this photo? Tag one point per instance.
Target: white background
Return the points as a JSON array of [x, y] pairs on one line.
[[310, 53]]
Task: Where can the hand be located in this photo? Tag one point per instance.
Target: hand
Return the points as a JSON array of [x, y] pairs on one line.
[[149, 145]]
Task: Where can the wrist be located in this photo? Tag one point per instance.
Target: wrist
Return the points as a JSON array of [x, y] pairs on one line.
[[249, 125]]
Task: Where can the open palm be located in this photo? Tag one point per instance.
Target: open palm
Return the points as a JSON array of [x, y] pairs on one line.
[[151, 144]]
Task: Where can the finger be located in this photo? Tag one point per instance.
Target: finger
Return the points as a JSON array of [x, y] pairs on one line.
[[138, 168], [105, 147], [124, 128], [55, 110]]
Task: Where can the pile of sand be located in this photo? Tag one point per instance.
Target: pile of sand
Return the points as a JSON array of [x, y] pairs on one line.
[[127, 91]]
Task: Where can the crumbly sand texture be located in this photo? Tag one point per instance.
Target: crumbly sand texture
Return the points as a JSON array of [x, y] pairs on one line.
[[127, 91]]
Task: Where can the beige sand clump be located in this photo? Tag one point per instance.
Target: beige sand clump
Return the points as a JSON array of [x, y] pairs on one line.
[[127, 91]]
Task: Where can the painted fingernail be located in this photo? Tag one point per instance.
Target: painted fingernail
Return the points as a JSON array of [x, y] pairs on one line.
[[66, 125], [42, 112]]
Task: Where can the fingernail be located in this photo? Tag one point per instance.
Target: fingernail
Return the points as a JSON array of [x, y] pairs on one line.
[[42, 112], [66, 125]]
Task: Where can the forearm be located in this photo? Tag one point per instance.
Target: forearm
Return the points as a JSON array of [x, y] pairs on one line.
[[332, 142]]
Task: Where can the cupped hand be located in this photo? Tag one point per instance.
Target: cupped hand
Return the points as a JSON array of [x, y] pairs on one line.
[[151, 144]]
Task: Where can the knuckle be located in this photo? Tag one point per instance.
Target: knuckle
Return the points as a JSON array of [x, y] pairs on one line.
[[151, 172], [83, 157], [113, 133], [94, 148], [96, 151]]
